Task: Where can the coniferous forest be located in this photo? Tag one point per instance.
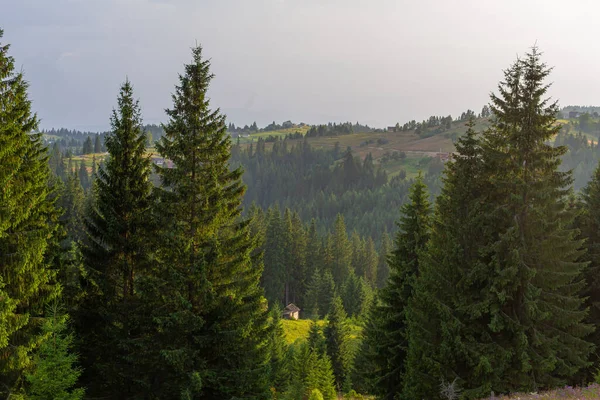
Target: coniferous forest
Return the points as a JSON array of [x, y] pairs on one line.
[[166, 267]]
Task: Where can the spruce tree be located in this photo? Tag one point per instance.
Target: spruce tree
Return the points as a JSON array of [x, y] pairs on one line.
[[326, 293], [27, 224], [589, 224], [458, 233], [210, 333], [404, 262], [280, 371], [84, 177], [274, 275], [383, 269], [341, 252], [97, 145], [500, 308], [116, 256], [54, 372], [338, 346]]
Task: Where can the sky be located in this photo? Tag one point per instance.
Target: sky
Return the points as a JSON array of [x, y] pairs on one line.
[[374, 61]]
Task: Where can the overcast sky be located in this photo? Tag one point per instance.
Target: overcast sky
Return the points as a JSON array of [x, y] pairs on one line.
[[374, 61]]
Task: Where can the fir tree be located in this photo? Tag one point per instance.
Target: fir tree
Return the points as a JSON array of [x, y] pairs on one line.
[[316, 341], [508, 316], [97, 145], [412, 236], [27, 222], [210, 317], [84, 177], [338, 349], [274, 275], [87, 146], [280, 372], [383, 269], [589, 224], [54, 372], [116, 257], [313, 292], [326, 293], [341, 252]]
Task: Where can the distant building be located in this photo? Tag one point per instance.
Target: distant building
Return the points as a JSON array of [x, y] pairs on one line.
[[291, 311], [161, 162], [574, 114], [391, 129], [444, 157]]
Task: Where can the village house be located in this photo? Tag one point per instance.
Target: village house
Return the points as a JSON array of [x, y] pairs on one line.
[[291, 311]]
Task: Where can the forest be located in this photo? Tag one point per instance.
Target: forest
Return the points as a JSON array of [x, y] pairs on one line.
[[162, 262]]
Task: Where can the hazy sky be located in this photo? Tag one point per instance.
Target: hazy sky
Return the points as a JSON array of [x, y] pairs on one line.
[[373, 61]]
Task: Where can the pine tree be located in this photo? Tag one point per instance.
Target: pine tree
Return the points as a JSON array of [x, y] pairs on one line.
[[210, 338], [54, 372], [338, 349], [412, 236], [116, 256], [508, 316], [27, 222]]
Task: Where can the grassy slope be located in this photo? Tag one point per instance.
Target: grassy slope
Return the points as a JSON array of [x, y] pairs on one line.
[[298, 329]]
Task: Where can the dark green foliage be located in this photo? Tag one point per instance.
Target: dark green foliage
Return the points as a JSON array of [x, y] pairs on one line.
[[311, 304], [311, 370], [316, 340], [341, 252], [383, 269], [97, 145], [84, 177], [88, 147], [499, 308], [208, 318], [27, 224], [54, 372], [357, 296], [280, 368], [274, 275], [589, 224], [338, 346], [326, 293], [116, 256], [404, 262]]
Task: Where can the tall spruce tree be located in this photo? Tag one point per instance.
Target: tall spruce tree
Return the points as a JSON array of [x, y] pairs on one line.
[[512, 317], [210, 317], [341, 252], [116, 256], [338, 345], [383, 269], [27, 223], [451, 278], [404, 262], [589, 224]]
